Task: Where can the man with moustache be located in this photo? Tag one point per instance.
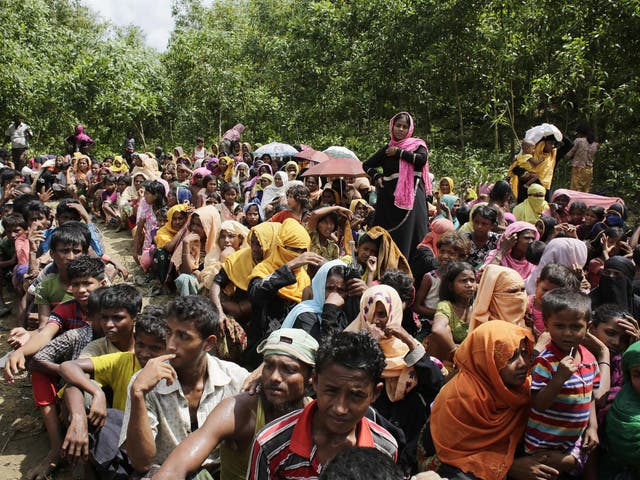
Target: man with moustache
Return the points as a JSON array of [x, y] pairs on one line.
[[289, 358]]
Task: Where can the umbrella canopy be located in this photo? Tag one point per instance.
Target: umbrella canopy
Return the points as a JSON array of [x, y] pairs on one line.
[[340, 152], [337, 167], [537, 133], [276, 149], [312, 155]]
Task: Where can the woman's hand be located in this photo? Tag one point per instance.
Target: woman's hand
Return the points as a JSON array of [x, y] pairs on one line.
[[307, 258], [391, 151], [401, 334], [334, 298], [372, 263], [508, 242]]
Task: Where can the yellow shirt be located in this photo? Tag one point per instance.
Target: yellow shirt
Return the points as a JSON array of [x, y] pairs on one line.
[[115, 370]]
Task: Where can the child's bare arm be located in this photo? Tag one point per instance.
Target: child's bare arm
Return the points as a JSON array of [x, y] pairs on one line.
[[544, 398]]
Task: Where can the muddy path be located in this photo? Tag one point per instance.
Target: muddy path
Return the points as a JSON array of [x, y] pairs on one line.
[[23, 441]]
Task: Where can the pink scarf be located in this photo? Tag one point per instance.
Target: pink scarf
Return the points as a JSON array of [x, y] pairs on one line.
[[523, 266], [405, 193]]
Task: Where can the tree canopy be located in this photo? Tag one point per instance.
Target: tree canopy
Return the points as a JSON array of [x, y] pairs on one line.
[[475, 75]]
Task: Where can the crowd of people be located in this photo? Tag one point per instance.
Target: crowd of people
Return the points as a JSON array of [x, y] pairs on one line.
[[380, 326]]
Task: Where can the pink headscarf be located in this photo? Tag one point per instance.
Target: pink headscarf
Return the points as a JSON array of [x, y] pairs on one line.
[[405, 194], [80, 136], [523, 266], [234, 133], [437, 228], [200, 171]]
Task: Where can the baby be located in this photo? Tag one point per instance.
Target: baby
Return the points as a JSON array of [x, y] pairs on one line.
[[525, 161]]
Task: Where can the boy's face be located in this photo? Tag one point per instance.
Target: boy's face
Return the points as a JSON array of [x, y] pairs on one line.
[[117, 324], [14, 232], [39, 221], [366, 250], [612, 335], [184, 340], [567, 329], [544, 286], [82, 287], [147, 347], [64, 253], [343, 396]]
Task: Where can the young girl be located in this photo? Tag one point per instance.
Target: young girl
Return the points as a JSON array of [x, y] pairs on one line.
[[147, 223], [594, 214], [229, 207], [451, 247], [109, 199], [323, 227], [297, 203], [451, 320], [251, 213], [210, 185]]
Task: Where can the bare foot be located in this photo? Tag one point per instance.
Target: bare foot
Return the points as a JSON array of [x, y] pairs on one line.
[[45, 467]]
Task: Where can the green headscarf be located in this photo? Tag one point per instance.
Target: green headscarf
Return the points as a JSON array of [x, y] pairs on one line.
[[623, 419]]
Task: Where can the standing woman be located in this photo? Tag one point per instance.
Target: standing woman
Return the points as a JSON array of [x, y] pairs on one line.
[[582, 154], [402, 206]]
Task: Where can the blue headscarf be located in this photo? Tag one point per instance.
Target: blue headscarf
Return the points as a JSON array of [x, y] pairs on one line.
[[316, 304], [183, 194]]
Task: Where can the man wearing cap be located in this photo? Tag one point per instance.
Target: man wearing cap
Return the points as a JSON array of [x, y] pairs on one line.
[[346, 380], [289, 358]]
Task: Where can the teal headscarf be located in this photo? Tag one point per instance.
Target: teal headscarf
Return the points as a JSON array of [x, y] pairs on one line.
[[623, 419], [450, 201]]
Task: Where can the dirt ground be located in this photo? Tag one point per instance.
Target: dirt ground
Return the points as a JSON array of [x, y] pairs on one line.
[[23, 441]]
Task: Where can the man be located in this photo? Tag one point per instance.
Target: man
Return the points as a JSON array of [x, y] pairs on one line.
[[18, 134], [289, 357], [174, 393], [346, 381]]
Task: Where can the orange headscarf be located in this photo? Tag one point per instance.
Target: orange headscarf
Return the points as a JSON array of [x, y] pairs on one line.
[[437, 228], [399, 379], [500, 296], [476, 421], [389, 255], [291, 235]]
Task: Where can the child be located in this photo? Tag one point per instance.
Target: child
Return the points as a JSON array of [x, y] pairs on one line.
[[109, 200], [15, 253], [113, 371], [452, 247], [298, 200], [552, 276], [229, 207], [85, 275], [252, 215], [147, 223], [564, 377], [593, 215], [323, 230], [526, 162], [451, 319], [577, 211]]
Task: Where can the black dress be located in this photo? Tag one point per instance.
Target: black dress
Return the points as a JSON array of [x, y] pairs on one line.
[[407, 227]]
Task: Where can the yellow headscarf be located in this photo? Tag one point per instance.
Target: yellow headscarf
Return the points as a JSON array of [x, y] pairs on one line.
[[293, 235], [119, 165], [449, 180], [354, 203], [212, 261], [389, 255], [399, 379], [531, 209], [544, 170], [239, 266], [228, 173], [166, 233], [288, 164]]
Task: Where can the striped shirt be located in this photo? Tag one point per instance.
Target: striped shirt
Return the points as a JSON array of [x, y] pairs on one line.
[[284, 449], [561, 425], [67, 316]]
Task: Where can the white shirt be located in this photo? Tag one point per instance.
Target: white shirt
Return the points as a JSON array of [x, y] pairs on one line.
[[18, 135], [168, 408]]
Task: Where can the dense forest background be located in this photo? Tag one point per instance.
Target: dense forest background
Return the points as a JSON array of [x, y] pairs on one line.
[[475, 75]]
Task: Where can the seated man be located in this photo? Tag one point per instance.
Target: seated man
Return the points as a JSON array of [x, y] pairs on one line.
[[346, 382], [168, 401], [289, 357]]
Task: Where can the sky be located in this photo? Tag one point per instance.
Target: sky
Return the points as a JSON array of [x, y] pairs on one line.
[[152, 16]]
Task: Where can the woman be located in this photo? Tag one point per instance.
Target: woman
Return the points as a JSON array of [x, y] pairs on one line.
[[230, 286], [445, 187], [324, 313], [231, 238], [583, 154], [500, 296], [314, 185], [167, 237], [544, 158], [623, 421], [274, 194], [292, 169], [616, 286], [479, 417], [80, 141], [411, 379], [188, 257], [512, 248], [447, 207], [276, 283], [570, 252], [533, 207], [402, 205], [196, 184]]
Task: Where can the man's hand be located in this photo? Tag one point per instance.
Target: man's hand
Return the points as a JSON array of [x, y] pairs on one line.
[[155, 370], [98, 411], [75, 446], [15, 364]]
